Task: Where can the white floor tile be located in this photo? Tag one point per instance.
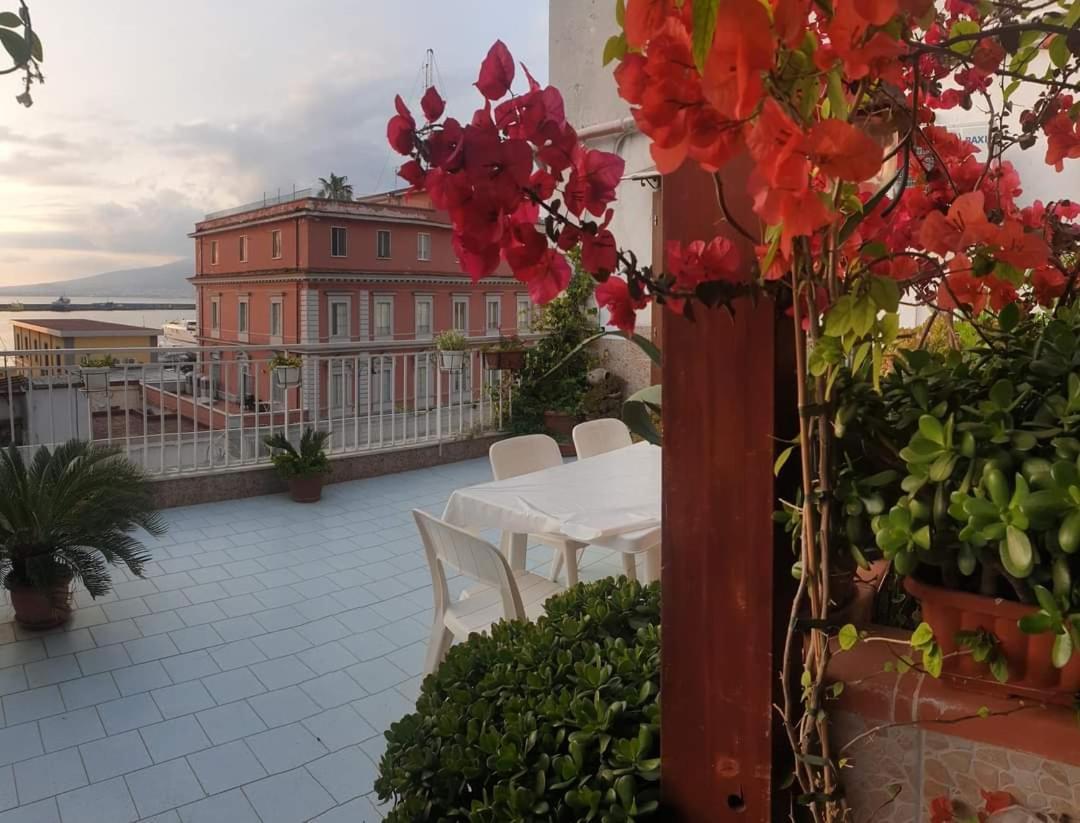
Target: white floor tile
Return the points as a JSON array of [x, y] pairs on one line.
[[108, 802], [19, 742], [129, 713], [70, 729], [230, 722], [230, 807], [285, 748], [48, 775], [283, 706], [113, 756], [88, 691], [292, 797], [174, 738], [163, 787], [140, 678], [345, 774], [226, 767], [340, 727], [185, 698]]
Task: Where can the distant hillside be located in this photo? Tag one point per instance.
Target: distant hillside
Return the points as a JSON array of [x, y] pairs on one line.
[[169, 280]]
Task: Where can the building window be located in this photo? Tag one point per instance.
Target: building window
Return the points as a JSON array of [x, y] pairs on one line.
[[275, 244], [524, 314], [461, 315], [382, 244], [339, 241], [277, 316], [215, 316], [339, 318], [384, 317], [424, 312], [243, 248], [242, 318], [341, 382], [423, 246], [213, 253], [494, 314]]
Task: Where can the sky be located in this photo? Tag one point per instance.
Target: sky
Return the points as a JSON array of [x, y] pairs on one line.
[[154, 112]]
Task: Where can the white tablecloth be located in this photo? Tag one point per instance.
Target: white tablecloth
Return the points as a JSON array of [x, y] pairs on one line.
[[611, 500]]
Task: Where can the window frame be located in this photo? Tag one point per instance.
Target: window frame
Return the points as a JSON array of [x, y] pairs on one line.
[[525, 328], [215, 315], [377, 300], [276, 245], [244, 248], [423, 255], [213, 252], [429, 301], [277, 334], [243, 312], [338, 300], [378, 244], [455, 301], [345, 241], [489, 301]]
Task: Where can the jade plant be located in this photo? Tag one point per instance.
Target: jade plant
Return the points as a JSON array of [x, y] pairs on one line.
[[553, 720]]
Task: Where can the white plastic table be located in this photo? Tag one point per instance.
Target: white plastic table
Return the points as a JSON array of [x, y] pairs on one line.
[[611, 500]]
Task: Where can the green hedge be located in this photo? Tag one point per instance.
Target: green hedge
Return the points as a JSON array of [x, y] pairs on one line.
[[557, 720]]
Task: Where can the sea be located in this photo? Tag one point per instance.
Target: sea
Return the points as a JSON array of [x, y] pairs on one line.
[[151, 319]]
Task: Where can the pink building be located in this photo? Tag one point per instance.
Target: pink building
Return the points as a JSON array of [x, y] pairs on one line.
[[375, 275]]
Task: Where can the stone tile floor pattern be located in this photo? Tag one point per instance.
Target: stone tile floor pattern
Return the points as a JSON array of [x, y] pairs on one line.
[[248, 677]]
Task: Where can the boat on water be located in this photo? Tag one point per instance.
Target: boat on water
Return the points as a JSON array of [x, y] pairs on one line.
[[61, 303], [180, 332], [16, 305]]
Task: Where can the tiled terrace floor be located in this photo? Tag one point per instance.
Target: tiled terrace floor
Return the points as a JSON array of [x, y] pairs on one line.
[[249, 677]]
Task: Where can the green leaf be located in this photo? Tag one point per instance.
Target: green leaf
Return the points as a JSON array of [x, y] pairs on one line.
[[781, 459], [1017, 556], [838, 317], [848, 637], [614, 48], [1035, 623], [1062, 651], [933, 660], [637, 413], [1001, 394], [620, 12], [1059, 51], [962, 27], [837, 102], [1008, 317], [863, 314], [922, 635], [999, 668], [886, 293], [10, 19], [1048, 603], [930, 428], [15, 46], [704, 29]]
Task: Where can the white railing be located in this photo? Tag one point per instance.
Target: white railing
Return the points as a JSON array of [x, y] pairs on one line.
[[207, 409]]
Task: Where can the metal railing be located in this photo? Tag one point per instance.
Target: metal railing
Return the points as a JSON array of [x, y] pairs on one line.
[[207, 409], [267, 200]]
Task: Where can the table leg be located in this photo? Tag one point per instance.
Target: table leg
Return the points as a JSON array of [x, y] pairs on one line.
[[513, 546], [652, 565]]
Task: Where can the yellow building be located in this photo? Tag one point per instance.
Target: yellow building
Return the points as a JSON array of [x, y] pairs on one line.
[[92, 338]]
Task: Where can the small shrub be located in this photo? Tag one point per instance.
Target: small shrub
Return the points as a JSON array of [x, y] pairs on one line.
[[557, 720], [450, 340], [309, 459]]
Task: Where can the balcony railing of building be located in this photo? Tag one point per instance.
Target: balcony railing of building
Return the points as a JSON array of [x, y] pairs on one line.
[[207, 409], [267, 200]]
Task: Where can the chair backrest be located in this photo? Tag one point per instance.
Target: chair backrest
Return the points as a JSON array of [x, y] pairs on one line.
[[473, 557], [521, 455], [599, 436]]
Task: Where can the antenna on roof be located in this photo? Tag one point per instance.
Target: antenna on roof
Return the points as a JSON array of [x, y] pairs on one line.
[[429, 69]]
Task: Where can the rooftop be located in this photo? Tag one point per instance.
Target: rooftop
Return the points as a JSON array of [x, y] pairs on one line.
[[82, 327], [248, 677]]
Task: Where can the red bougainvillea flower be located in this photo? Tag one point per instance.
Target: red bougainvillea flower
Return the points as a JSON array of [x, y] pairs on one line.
[[1063, 140], [962, 289], [1019, 248], [401, 130], [1049, 284], [645, 17], [548, 278], [964, 226], [941, 810], [800, 212], [842, 150], [698, 262], [496, 72], [593, 181], [599, 253], [875, 12], [432, 104], [614, 295], [994, 802], [775, 142], [742, 50]]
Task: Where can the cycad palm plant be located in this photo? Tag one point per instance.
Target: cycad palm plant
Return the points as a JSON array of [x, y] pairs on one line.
[[69, 512], [309, 459]]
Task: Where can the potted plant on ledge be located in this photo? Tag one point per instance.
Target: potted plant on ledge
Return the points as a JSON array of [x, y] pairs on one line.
[[95, 372], [286, 369], [451, 345], [508, 354], [63, 517], [303, 468]]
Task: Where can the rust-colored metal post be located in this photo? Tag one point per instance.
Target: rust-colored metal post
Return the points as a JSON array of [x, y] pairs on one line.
[[721, 610]]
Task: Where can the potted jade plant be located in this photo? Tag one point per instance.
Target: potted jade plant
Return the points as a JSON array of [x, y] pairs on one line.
[[304, 468], [451, 345], [508, 354], [974, 497], [95, 372], [286, 369], [64, 516]]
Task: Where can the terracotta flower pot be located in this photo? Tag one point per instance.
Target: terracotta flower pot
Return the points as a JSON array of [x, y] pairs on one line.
[[306, 488], [505, 360], [1028, 655], [43, 608]]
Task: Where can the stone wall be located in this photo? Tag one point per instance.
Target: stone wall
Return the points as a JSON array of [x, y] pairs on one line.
[[623, 359]]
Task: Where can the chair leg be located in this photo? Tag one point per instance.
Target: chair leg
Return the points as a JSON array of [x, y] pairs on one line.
[[652, 565], [557, 561], [570, 554], [629, 564], [438, 646]]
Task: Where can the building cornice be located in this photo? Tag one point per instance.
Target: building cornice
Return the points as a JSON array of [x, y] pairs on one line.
[[350, 277], [314, 213]]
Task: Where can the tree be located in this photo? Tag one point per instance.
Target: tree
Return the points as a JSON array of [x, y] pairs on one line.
[[336, 188], [863, 201], [24, 48]]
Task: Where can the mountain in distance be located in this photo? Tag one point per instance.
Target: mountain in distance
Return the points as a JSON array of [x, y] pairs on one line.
[[169, 280]]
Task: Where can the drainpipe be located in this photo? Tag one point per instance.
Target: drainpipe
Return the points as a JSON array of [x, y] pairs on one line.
[[624, 125]]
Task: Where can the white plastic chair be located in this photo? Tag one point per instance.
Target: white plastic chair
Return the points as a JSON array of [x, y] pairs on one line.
[[532, 453], [504, 593], [595, 437], [599, 436]]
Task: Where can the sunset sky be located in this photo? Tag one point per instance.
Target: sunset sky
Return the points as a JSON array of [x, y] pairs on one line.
[[155, 112]]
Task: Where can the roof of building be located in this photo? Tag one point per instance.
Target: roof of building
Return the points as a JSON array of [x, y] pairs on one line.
[[82, 327]]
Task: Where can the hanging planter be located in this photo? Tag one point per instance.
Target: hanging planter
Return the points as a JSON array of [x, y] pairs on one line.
[[95, 372], [286, 369], [451, 346], [506, 355]]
